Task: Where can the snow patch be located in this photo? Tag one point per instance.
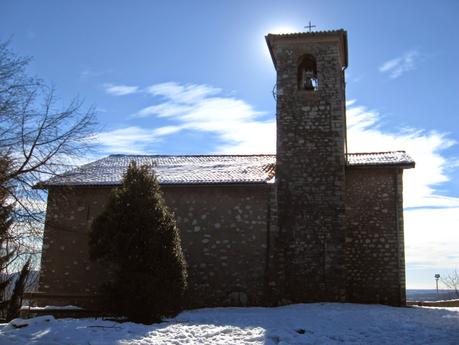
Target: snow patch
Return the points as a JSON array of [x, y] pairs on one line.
[[52, 307], [294, 324]]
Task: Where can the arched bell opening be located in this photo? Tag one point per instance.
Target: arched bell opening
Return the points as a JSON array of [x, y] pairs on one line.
[[307, 74]]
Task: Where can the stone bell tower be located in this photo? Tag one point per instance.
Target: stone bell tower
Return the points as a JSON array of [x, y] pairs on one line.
[[310, 168]]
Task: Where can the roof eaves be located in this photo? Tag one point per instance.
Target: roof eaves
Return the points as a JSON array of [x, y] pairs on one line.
[[403, 165], [113, 184]]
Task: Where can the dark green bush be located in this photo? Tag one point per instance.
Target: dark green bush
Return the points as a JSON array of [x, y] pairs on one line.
[[137, 236]]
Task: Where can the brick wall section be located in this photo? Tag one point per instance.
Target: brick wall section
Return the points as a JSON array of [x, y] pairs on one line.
[[224, 237], [375, 262], [310, 168]]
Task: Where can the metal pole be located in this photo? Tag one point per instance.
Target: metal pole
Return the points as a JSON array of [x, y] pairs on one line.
[[437, 276]]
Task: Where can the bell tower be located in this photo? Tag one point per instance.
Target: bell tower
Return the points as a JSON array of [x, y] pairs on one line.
[[310, 167]]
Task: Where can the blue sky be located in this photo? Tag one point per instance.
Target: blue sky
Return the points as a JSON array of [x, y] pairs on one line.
[[196, 77]]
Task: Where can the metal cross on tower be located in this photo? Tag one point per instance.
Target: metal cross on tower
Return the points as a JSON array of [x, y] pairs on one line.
[[309, 26]]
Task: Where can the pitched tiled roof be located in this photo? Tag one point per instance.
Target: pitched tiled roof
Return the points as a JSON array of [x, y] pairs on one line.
[[394, 158], [201, 169], [341, 34]]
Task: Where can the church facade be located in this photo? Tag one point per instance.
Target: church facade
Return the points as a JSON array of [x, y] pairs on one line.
[[311, 223]]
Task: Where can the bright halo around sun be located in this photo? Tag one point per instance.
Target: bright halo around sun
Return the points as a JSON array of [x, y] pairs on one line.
[[283, 30]]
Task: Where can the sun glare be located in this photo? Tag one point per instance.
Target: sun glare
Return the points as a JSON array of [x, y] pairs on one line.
[[283, 30]]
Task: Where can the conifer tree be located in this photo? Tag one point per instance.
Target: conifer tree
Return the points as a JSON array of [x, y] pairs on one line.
[[14, 305], [137, 236]]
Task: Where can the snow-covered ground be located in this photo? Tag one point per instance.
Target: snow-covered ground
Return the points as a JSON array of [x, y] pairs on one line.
[[294, 324]]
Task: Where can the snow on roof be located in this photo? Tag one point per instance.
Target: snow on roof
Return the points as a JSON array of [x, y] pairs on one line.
[[391, 158], [202, 169]]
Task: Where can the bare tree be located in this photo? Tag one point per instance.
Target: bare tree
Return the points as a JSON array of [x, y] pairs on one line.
[[42, 137], [452, 282]]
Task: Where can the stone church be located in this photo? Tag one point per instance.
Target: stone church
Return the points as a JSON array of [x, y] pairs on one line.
[[311, 223]]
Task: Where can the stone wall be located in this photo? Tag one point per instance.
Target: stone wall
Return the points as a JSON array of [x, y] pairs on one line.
[[65, 264], [232, 244], [224, 237], [375, 264]]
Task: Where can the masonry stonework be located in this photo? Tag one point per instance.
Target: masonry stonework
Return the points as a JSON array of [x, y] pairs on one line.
[[224, 238], [310, 164], [375, 266]]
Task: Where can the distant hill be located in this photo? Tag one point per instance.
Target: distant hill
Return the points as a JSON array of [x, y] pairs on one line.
[[429, 295]]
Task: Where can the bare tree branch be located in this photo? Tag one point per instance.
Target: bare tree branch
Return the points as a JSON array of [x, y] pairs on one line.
[[451, 281], [41, 137]]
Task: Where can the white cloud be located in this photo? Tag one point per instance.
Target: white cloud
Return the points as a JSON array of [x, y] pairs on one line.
[[203, 108], [166, 130], [425, 147], [399, 65], [163, 110], [185, 94], [431, 238], [130, 140], [133, 140], [120, 90]]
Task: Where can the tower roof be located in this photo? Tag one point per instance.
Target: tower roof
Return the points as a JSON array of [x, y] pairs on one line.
[[310, 37]]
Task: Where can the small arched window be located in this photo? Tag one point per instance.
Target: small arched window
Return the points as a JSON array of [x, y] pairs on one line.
[[307, 74]]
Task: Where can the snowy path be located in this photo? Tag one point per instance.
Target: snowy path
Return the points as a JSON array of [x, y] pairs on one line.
[[295, 324]]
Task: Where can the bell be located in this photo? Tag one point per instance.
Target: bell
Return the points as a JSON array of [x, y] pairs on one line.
[[308, 81], [308, 85]]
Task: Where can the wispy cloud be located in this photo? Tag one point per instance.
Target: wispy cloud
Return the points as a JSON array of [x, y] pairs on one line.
[[188, 94], [126, 140], [120, 90], [205, 108], [163, 110], [400, 65], [133, 140], [88, 73], [426, 147], [166, 130]]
